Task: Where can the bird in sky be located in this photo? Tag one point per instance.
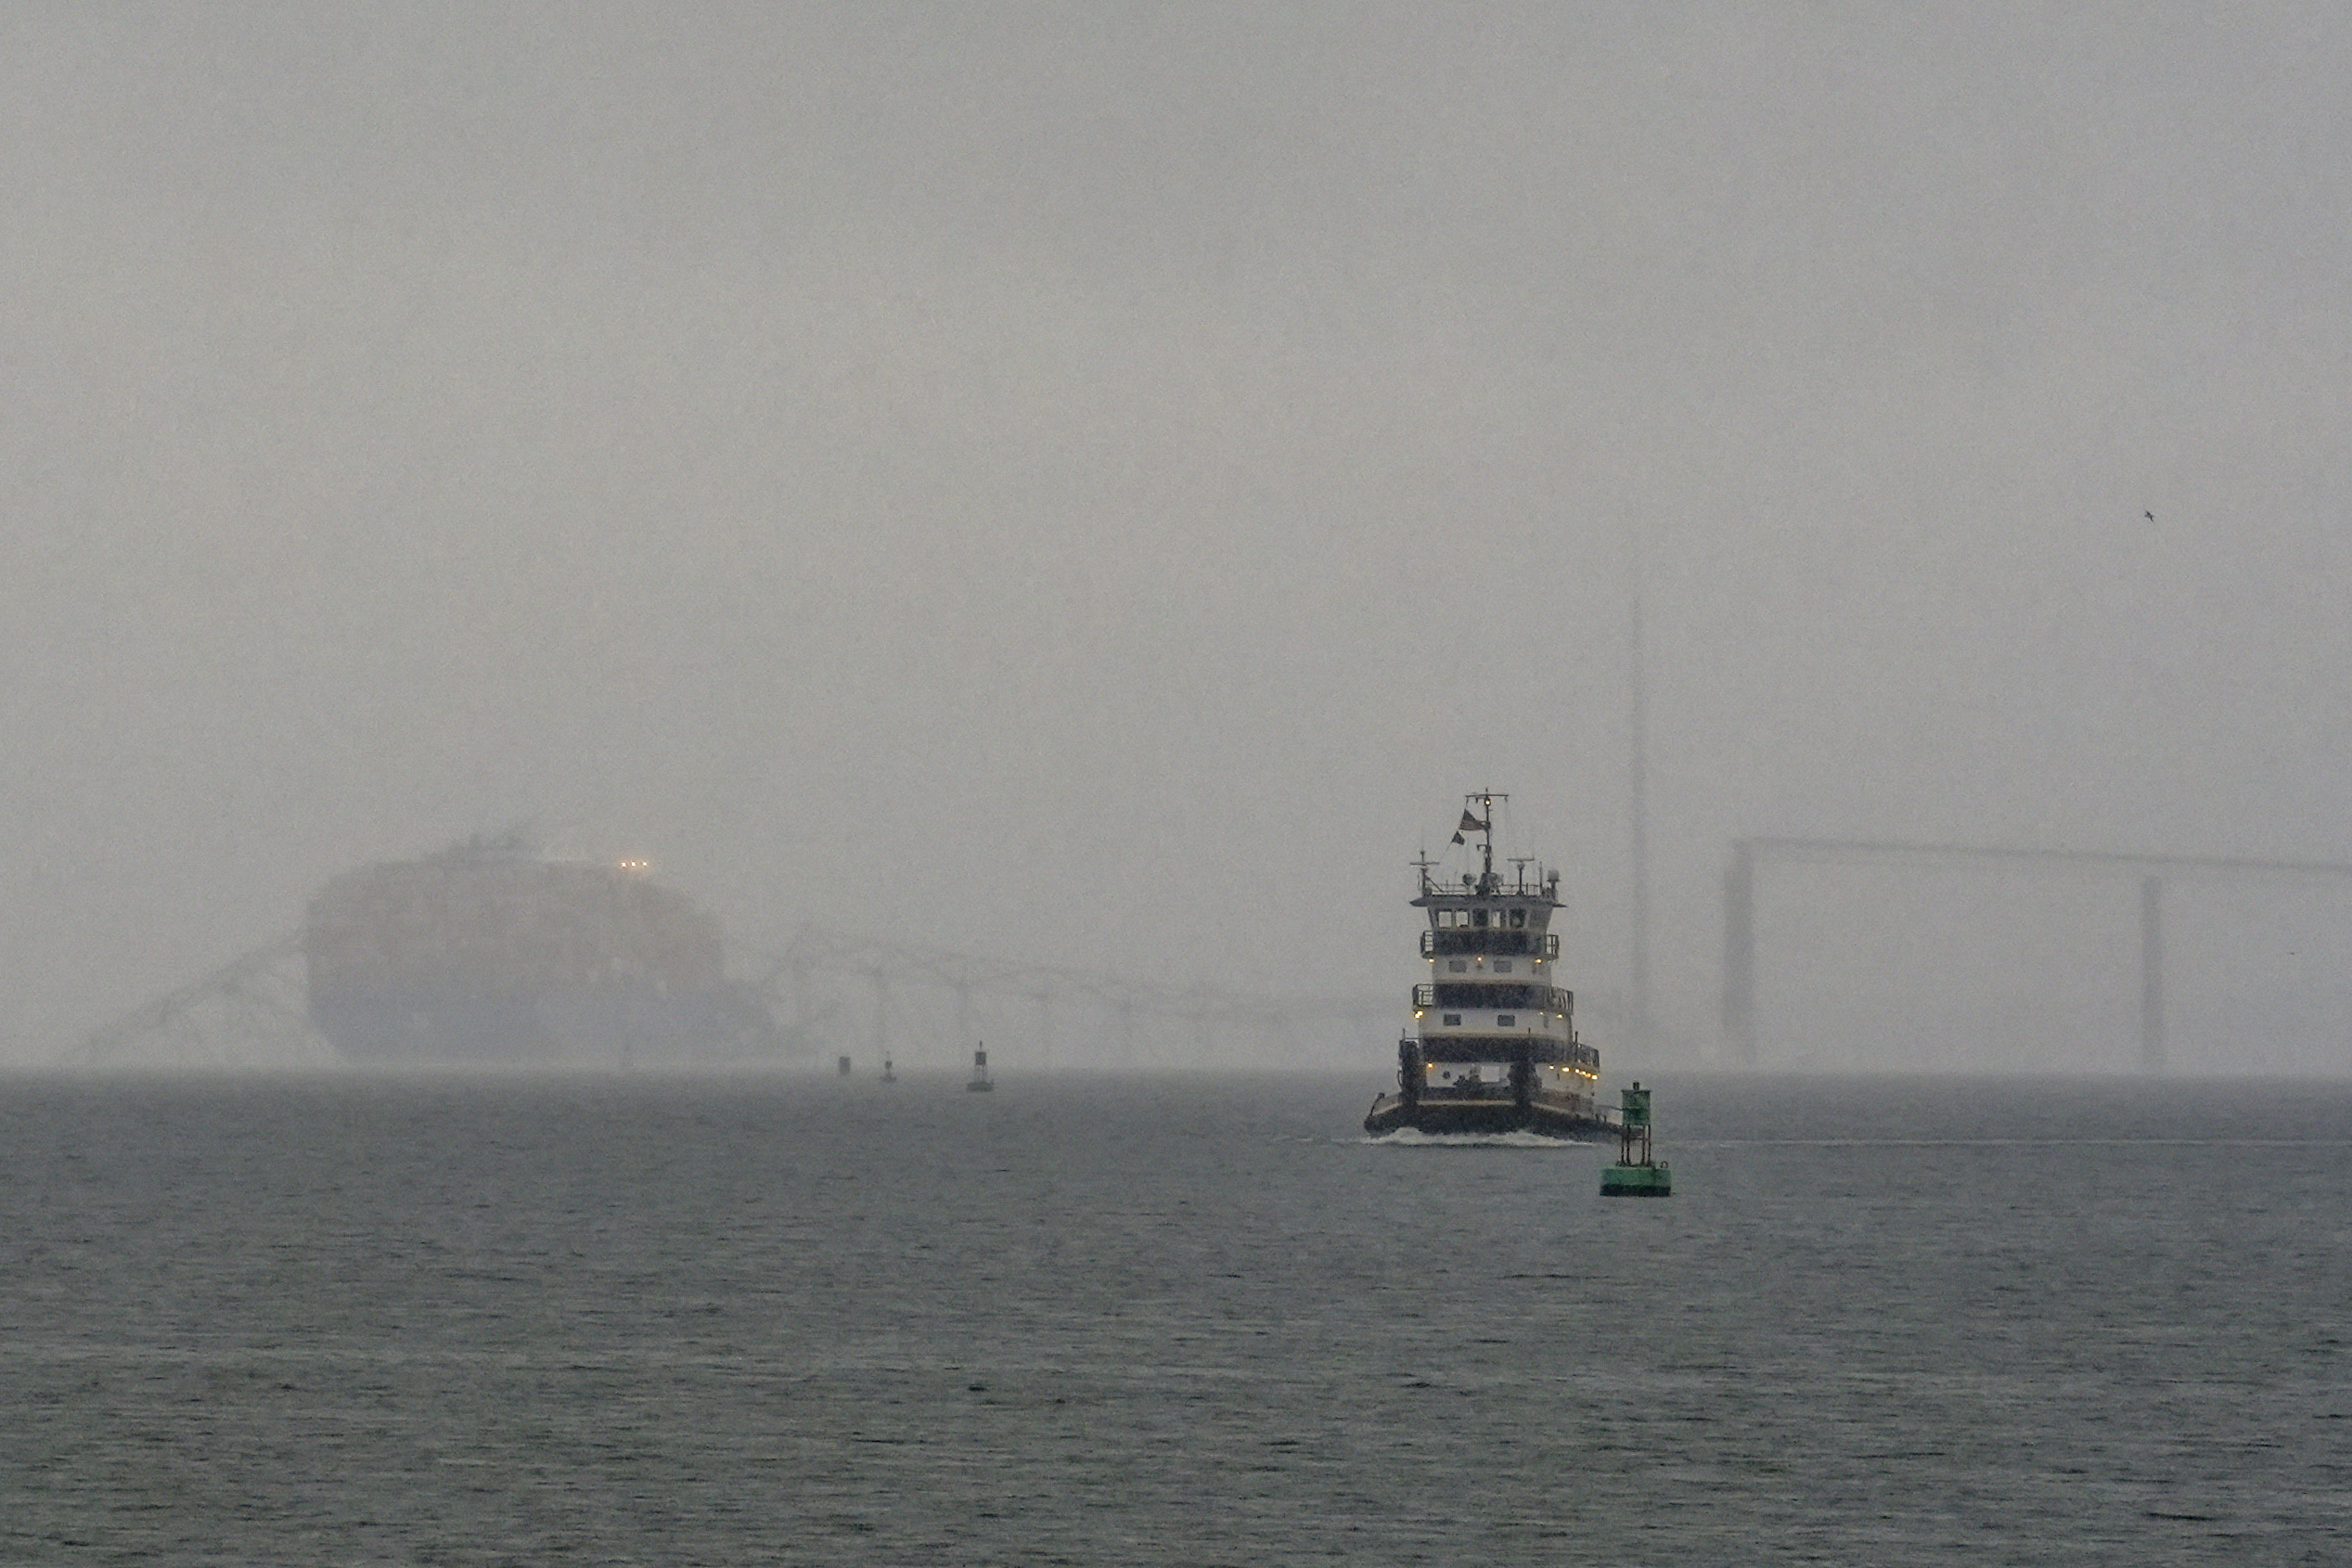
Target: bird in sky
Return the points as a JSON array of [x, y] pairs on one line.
[[2150, 516]]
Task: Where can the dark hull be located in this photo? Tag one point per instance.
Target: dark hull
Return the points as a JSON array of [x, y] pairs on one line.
[[587, 1027], [1442, 1117]]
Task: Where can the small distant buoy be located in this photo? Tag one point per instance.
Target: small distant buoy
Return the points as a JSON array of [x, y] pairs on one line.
[[888, 1076], [1635, 1174], [842, 1067], [979, 1083]]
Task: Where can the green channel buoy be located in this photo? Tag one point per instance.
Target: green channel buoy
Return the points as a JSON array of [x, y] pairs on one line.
[[1635, 1174]]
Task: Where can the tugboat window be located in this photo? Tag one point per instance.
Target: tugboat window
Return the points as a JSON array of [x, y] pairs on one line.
[[1506, 1020], [1502, 965], [1478, 919], [1453, 1017], [1458, 966], [1518, 918]]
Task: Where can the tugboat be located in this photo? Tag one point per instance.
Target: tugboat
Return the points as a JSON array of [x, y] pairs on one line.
[[1494, 1046]]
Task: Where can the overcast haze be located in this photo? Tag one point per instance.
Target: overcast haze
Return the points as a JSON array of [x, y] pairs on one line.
[[1101, 483]]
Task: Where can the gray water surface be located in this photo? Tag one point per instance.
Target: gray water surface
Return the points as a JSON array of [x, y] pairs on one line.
[[1167, 1322]]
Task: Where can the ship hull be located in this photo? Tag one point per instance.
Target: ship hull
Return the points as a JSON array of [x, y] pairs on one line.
[[587, 1027], [486, 954], [1486, 1118]]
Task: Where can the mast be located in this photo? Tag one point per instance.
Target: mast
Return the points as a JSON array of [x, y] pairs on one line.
[[1637, 792], [1486, 820], [1482, 822]]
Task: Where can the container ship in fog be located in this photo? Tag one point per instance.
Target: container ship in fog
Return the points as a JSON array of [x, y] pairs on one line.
[[1493, 1047], [488, 953]]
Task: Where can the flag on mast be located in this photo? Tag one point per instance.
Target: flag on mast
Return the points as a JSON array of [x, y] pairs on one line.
[[1458, 837], [1470, 825]]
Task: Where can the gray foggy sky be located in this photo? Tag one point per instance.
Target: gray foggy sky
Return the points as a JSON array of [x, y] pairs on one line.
[[1102, 481]]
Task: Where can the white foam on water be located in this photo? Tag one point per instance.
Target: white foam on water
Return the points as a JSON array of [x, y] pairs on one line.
[[1413, 1137]]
